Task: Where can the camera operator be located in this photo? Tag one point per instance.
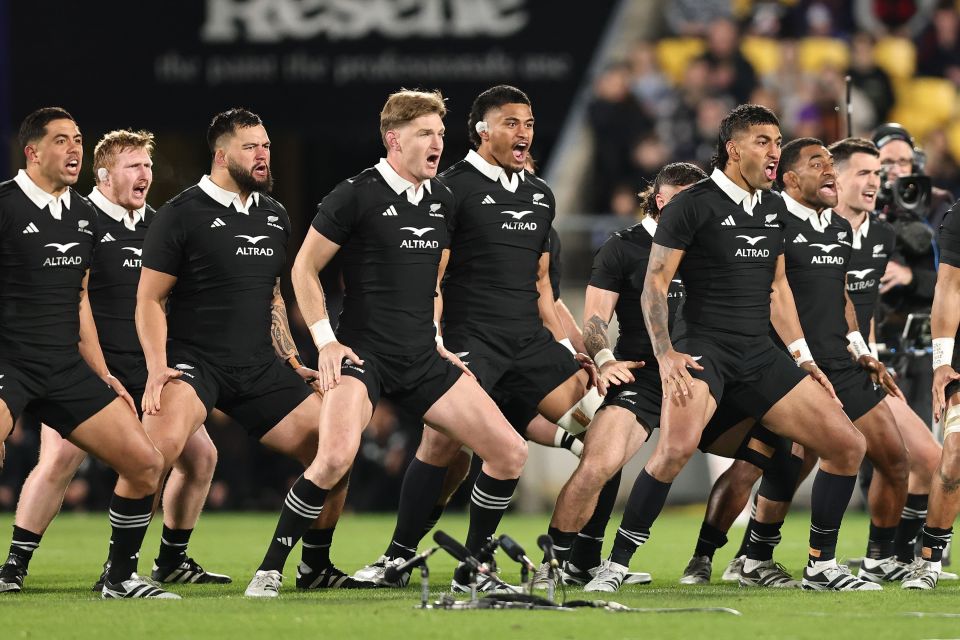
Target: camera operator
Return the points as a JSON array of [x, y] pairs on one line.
[[915, 208]]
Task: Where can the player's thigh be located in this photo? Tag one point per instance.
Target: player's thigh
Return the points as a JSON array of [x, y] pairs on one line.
[[297, 435], [568, 393], [614, 437], [683, 419], [884, 442], [6, 421], [115, 436], [181, 414], [57, 454], [344, 413], [809, 416], [465, 413], [919, 440], [199, 455]]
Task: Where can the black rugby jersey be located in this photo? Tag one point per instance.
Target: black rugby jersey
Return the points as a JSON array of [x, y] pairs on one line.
[[555, 263], [817, 257], [114, 275], [873, 244], [390, 252], [42, 264], [950, 254], [620, 265], [497, 237], [226, 263], [730, 261]]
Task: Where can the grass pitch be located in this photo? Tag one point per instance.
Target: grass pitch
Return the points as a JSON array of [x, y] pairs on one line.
[[57, 602]]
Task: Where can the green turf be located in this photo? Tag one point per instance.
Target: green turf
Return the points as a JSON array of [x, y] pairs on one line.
[[57, 602]]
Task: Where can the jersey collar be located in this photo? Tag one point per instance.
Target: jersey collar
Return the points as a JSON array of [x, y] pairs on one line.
[[818, 222], [40, 197], [735, 192], [117, 212], [509, 182], [861, 232], [650, 225], [227, 198], [400, 184]]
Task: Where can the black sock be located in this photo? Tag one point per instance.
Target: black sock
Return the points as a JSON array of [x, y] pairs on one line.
[[829, 499], [316, 548], [562, 544], [643, 506], [588, 544], [764, 537], [488, 501], [911, 522], [435, 514], [934, 542], [24, 543], [880, 543], [745, 542], [129, 519], [709, 540], [173, 546], [419, 493], [301, 508]]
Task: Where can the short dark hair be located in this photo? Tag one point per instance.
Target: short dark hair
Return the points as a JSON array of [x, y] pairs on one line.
[[740, 119], [34, 126], [843, 150], [790, 153], [492, 98], [677, 174], [227, 123]]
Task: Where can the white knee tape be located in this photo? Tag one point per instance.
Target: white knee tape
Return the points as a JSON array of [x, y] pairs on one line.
[[951, 421], [579, 416]]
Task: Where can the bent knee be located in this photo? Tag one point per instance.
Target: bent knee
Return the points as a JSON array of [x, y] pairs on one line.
[[143, 470]]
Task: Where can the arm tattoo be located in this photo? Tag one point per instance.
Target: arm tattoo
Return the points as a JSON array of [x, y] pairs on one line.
[[656, 312], [283, 342], [595, 335]]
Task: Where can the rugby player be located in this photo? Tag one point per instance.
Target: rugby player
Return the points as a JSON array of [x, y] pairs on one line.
[[390, 222], [726, 235], [51, 364], [213, 257]]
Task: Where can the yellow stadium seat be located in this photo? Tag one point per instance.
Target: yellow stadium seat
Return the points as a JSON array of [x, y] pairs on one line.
[[762, 53], [817, 53], [896, 56], [918, 122], [674, 54], [935, 97]]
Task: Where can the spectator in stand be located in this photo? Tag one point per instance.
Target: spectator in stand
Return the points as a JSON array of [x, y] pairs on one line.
[[649, 156], [941, 165], [647, 82], [907, 18], [938, 48], [710, 112], [730, 72], [693, 17], [870, 79], [677, 128], [618, 121]]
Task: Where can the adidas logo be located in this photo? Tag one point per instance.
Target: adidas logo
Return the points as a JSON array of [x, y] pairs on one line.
[[488, 200], [286, 541], [217, 223], [31, 228], [799, 238], [391, 211], [107, 238], [728, 222]]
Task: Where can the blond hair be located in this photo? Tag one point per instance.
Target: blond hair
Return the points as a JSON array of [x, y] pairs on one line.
[[406, 105], [115, 142]]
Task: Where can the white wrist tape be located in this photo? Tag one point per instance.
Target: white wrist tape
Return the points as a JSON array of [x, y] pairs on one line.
[[942, 352], [569, 345], [858, 346], [800, 351], [603, 357], [322, 333], [438, 337]]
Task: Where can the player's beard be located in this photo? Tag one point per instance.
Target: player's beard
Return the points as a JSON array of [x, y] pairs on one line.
[[245, 180]]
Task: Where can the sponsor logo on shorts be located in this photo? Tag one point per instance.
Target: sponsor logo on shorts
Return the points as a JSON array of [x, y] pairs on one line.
[[184, 368], [350, 364]]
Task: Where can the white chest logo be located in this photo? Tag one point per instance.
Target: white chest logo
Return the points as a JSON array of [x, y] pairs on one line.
[[859, 275], [252, 239], [752, 240], [826, 248], [62, 248], [517, 215], [417, 232], [435, 206], [272, 218], [138, 252], [878, 251], [538, 200]]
